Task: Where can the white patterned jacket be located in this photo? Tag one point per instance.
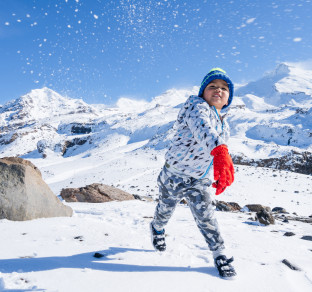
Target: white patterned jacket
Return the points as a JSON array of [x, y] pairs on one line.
[[199, 129]]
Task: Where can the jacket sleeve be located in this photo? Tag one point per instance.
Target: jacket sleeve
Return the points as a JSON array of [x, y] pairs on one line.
[[198, 116]]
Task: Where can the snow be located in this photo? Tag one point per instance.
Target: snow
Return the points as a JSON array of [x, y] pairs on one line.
[[126, 149], [56, 254]]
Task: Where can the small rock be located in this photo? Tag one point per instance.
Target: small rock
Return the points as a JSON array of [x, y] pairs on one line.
[[265, 217], [289, 234], [279, 210], [137, 197], [227, 206], [80, 237], [223, 206], [285, 220], [291, 266], [235, 206], [98, 255], [257, 208], [307, 237]]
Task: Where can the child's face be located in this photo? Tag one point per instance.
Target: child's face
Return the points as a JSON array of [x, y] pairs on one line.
[[217, 93]]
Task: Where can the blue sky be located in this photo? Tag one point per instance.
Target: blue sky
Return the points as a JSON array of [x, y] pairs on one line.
[[100, 50]]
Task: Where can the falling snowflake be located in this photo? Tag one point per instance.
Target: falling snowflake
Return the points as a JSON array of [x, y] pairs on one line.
[[250, 20]]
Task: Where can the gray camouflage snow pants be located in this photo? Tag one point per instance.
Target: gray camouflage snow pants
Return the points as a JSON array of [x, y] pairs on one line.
[[172, 189]]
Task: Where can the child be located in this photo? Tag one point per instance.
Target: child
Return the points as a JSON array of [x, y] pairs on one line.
[[198, 144]]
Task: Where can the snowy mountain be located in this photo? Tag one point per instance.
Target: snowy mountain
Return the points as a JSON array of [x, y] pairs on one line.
[[39, 105], [274, 120], [35, 117], [288, 85], [270, 120]]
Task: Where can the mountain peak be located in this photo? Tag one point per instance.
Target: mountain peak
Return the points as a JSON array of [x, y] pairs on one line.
[[280, 70], [44, 103], [44, 95], [288, 83]]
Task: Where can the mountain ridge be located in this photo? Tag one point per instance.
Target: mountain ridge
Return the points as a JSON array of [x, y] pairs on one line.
[[43, 122]]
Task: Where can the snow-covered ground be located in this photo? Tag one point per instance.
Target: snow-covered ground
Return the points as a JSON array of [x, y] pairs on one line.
[[56, 254]]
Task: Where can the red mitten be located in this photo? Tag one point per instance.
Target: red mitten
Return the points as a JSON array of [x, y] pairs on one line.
[[223, 168]]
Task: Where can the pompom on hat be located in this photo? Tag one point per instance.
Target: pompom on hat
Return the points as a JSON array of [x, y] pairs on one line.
[[217, 73]]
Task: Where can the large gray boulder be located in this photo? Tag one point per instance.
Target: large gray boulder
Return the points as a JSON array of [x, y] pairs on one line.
[[23, 193]]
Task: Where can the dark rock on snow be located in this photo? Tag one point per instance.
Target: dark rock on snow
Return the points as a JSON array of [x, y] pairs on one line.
[[289, 234], [286, 219], [291, 266], [98, 255], [95, 193], [227, 206], [295, 161], [307, 237], [265, 217], [279, 210], [257, 208]]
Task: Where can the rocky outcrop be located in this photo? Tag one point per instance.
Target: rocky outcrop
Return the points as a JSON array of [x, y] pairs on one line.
[[23, 193], [294, 161], [73, 143], [263, 214], [95, 193], [76, 128]]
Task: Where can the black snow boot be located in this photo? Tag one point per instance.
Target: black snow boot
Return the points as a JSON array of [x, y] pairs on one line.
[[158, 238], [223, 264]]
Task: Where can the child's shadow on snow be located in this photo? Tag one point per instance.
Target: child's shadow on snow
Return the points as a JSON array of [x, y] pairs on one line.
[[87, 261]]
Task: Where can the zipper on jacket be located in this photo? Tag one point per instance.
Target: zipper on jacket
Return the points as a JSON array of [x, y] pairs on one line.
[[221, 133], [218, 117]]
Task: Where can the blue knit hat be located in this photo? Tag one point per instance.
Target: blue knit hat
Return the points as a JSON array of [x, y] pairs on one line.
[[217, 73]]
